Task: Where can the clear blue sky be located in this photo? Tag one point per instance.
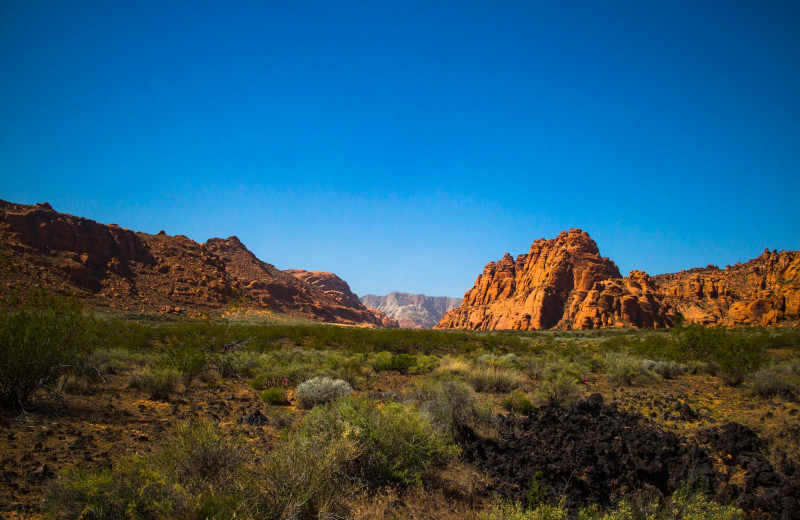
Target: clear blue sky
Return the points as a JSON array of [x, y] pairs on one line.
[[405, 144]]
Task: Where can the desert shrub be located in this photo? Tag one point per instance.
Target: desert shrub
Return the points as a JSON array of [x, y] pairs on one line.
[[734, 352], [233, 364], [42, 340], [666, 369], [134, 490], [555, 367], [321, 390], [682, 505], [275, 395], [518, 402], [304, 478], [159, 383], [224, 349], [395, 443], [349, 368], [451, 404], [199, 456], [780, 379], [623, 369], [596, 363], [505, 510], [188, 360], [510, 360], [494, 379], [702, 367], [199, 473], [423, 364], [295, 364], [455, 366], [387, 361], [281, 417], [559, 390]]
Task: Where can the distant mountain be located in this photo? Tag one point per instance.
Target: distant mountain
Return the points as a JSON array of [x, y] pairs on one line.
[[564, 283], [111, 267], [412, 311]]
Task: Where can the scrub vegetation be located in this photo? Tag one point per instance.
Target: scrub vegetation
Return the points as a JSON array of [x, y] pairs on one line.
[[109, 417]]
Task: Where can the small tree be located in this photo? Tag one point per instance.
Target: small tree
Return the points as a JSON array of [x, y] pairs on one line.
[[43, 339]]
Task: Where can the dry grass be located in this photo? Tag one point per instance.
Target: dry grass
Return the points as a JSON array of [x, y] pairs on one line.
[[482, 377], [452, 495]]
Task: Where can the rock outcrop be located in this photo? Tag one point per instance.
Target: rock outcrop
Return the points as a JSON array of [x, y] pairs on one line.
[[112, 267], [339, 292], [564, 283], [560, 283], [412, 311], [763, 291]]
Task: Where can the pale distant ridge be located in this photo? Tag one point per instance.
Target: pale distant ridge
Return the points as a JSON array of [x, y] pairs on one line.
[[413, 311]]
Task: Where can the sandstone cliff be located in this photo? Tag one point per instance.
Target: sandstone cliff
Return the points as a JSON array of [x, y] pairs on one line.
[[560, 283], [763, 291], [112, 267], [564, 283], [412, 311]]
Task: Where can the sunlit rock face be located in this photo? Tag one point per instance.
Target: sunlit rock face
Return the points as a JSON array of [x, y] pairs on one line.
[[564, 283]]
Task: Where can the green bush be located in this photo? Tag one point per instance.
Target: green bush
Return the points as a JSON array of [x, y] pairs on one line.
[[198, 474], [133, 490], [42, 340], [505, 510], [199, 456], [518, 402], [159, 383], [451, 404], [666, 369], [682, 505], [780, 379], [188, 360], [321, 390], [275, 395], [306, 479], [736, 353], [560, 390], [623, 369], [395, 443]]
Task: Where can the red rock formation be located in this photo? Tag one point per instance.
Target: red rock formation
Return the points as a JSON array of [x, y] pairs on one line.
[[564, 283], [561, 283], [330, 283], [113, 267], [763, 291]]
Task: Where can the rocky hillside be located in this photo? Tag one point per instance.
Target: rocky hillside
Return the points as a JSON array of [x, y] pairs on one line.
[[112, 267], [765, 291], [564, 283], [412, 311]]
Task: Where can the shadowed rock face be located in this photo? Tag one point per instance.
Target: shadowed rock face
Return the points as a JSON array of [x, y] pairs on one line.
[[412, 311], [117, 268], [561, 283]]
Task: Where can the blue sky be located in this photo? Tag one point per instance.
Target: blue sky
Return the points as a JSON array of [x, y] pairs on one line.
[[403, 145]]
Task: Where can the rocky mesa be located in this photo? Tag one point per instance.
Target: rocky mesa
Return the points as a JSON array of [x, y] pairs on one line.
[[412, 311], [112, 267], [564, 283]]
